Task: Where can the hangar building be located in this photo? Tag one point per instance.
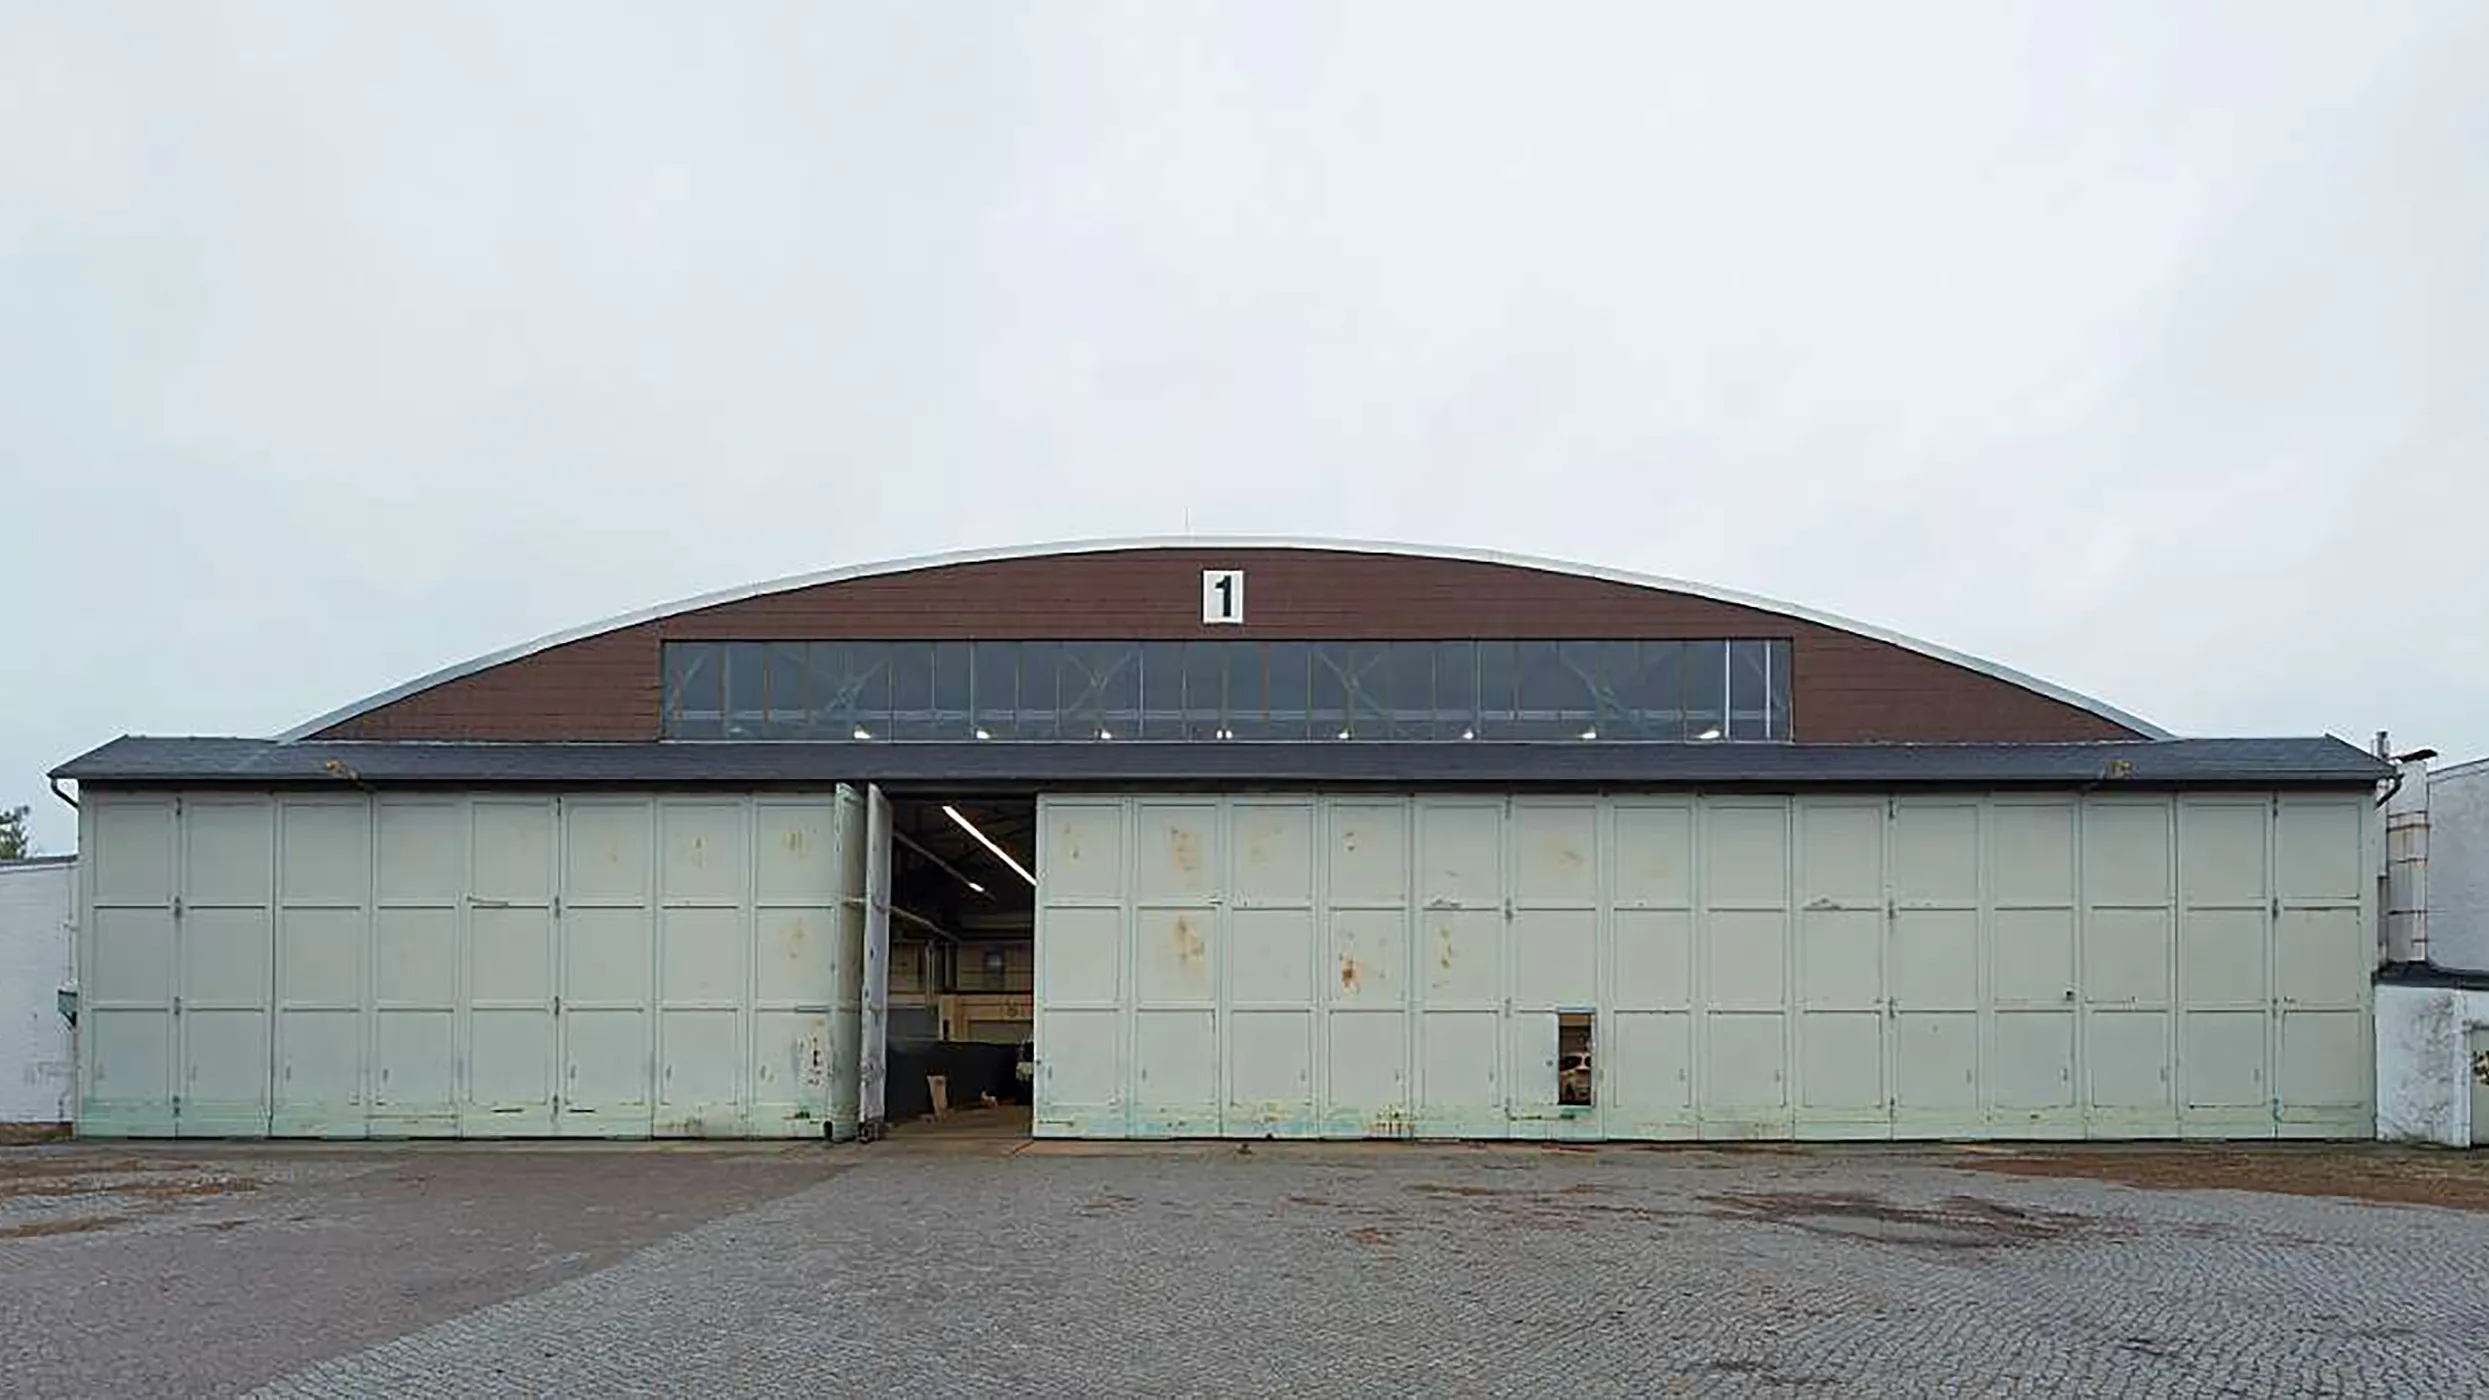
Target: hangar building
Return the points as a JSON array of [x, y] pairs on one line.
[[1254, 838]]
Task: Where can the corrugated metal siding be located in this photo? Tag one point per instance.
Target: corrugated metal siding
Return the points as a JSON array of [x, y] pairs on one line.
[[486, 965], [2034, 965]]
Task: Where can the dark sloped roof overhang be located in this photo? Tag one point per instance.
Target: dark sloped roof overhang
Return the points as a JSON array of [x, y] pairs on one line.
[[2149, 763]]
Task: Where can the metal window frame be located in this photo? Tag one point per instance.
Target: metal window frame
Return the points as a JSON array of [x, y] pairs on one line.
[[850, 691]]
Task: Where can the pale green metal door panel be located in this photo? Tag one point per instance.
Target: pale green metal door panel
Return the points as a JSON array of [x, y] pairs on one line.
[[702, 995], [1840, 975], [324, 935], [2325, 1057], [2324, 953], [1468, 953], [1082, 991], [1461, 1091], [129, 870], [1744, 1057], [1268, 1033], [1644, 1054], [1369, 956], [1367, 1089], [1649, 1071], [1654, 959], [1532, 1042], [1745, 1070], [2032, 1086], [2227, 1032], [606, 965], [1271, 959], [1555, 958], [510, 980], [1175, 956], [704, 977], [2128, 967], [226, 945], [1936, 1085], [1366, 992], [1080, 852], [2030, 1040], [1179, 881], [805, 955], [1270, 1073], [1939, 967], [1176, 1081], [419, 883], [2223, 1055], [2130, 1071]]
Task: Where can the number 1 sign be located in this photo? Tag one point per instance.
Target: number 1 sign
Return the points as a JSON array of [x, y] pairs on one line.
[[1222, 596]]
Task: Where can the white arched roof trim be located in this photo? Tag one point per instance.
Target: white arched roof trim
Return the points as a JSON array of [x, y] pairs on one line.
[[1219, 542]]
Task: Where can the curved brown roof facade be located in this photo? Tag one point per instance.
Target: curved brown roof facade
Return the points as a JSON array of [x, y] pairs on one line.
[[1851, 683]]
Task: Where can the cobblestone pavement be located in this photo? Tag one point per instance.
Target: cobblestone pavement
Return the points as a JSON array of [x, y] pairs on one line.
[[1059, 1268]]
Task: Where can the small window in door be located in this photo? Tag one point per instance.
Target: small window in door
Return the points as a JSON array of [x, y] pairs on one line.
[[1573, 1044]]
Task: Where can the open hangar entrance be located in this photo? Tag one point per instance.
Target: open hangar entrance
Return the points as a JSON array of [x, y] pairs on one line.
[[960, 1008]]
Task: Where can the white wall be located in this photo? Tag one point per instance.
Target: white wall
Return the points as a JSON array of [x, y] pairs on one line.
[[2424, 1062], [38, 953], [2458, 871]]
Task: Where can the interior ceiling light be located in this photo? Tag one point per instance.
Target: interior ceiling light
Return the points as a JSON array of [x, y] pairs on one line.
[[988, 843], [1590, 733], [863, 733], [1712, 733], [983, 735]]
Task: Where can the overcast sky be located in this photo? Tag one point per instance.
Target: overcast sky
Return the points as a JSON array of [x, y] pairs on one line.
[[2143, 347]]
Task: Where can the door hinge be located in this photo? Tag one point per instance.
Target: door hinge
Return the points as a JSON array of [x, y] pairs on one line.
[[557, 906], [557, 1006], [177, 1006], [177, 906]]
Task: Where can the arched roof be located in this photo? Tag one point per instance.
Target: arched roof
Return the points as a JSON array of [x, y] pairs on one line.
[[1103, 546]]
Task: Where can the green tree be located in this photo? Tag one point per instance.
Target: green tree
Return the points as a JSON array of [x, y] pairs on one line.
[[15, 844]]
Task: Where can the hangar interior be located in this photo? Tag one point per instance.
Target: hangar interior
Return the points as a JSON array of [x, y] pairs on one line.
[[963, 950], [1260, 838]]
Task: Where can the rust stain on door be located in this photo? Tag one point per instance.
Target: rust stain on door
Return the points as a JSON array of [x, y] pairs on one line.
[[1190, 951], [1184, 848]]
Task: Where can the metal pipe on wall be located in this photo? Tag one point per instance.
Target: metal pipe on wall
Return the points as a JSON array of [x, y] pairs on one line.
[[2406, 861]]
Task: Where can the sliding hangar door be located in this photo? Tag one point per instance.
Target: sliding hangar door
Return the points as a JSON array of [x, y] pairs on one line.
[[485, 965], [2024, 965]]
